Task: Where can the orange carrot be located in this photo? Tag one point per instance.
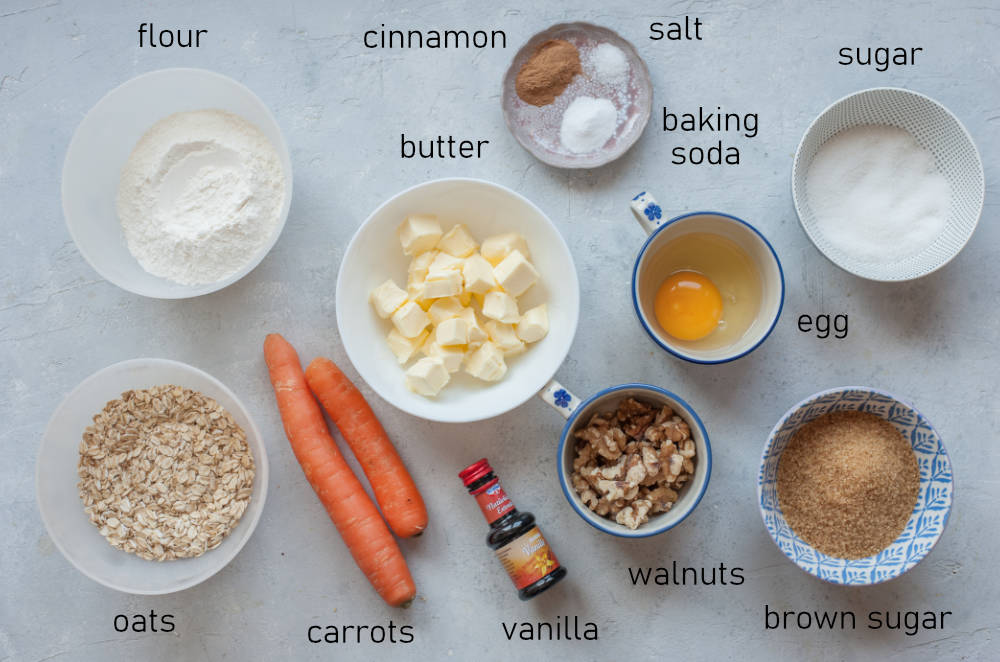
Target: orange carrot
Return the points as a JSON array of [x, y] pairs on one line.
[[352, 511], [395, 492]]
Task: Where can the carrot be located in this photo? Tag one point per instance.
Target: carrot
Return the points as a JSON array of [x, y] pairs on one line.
[[352, 511], [395, 492]]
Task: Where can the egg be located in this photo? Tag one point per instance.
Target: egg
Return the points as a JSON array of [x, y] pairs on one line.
[[688, 305]]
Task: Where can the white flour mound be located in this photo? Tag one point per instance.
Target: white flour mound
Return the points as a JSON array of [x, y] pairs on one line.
[[200, 195]]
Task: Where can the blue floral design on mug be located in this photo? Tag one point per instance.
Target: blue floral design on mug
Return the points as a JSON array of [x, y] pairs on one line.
[[562, 397], [653, 211]]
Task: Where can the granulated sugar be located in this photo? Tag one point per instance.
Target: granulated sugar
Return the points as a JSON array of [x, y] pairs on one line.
[[876, 194], [847, 483]]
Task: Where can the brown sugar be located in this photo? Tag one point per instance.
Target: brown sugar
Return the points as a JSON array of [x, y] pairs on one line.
[[847, 483], [548, 72]]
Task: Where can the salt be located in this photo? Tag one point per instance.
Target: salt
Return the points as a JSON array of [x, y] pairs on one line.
[[609, 63], [587, 124], [876, 194]]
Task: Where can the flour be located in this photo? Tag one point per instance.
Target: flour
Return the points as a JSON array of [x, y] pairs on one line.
[[877, 194], [200, 195]]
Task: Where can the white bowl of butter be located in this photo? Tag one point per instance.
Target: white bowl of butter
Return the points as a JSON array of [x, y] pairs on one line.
[[374, 255]]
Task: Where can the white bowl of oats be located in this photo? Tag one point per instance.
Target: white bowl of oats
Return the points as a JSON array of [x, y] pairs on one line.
[[151, 476]]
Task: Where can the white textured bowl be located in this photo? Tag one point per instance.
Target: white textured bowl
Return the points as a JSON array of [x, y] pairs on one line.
[[374, 255], [101, 146], [935, 129], [59, 501]]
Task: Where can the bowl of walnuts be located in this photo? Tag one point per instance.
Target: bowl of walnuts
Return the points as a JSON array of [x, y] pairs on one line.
[[634, 459]]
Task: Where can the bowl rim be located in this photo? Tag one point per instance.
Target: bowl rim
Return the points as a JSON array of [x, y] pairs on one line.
[[261, 474], [460, 416], [797, 163], [763, 460], [639, 532], [676, 352], [609, 157], [281, 147]]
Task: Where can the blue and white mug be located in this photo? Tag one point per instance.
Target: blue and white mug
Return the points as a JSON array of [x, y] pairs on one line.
[[578, 413], [648, 275]]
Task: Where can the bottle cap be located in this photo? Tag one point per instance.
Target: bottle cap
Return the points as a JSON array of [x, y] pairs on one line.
[[474, 472]]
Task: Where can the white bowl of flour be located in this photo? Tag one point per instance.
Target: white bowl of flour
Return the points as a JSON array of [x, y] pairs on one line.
[[177, 183], [888, 184]]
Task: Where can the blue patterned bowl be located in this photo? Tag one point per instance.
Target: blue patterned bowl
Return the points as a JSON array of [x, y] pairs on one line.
[[926, 521]]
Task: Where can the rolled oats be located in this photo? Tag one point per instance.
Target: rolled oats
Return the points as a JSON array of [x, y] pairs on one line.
[[165, 473]]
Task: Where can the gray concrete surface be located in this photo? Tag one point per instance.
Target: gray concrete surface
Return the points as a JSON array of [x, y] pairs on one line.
[[342, 108]]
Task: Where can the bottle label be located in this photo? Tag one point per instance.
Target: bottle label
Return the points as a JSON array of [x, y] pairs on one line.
[[527, 559], [494, 502]]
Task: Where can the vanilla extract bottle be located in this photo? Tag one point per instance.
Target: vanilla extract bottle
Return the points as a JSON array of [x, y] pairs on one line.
[[514, 537]]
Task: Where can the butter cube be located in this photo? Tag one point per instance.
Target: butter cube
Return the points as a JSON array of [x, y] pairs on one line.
[[478, 274], [501, 306], [427, 376], [497, 247], [486, 363], [443, 309], [404, 348], [465, 298], [452, 357], [444, 262], [410, 320], [503, 336], [387, 298], [452, 331], [458, 242], [477, 335], [534, 324], [417, 271], [442, 284], [418, 234], [515, 274]]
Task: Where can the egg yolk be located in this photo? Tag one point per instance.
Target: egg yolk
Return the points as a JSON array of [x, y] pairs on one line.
[[688, 306]]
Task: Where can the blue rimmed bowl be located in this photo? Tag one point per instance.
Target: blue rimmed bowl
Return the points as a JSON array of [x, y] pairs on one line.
[[649, 272], [929, 516], [578, 413]]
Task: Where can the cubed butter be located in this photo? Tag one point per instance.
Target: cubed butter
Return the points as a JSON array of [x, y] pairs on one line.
[[410, 319], [534, 324], [452, 331], [465, 298], [477, 335], [500, 306], [486, 363], [418, 234], [451, 356], [442, 284], [478, 274], [444, 262], [404, 348], [417, 271], [427, 376], [387, 298], [458, 242], [443, 309], [497, 247], [515, 274], [503, 336]]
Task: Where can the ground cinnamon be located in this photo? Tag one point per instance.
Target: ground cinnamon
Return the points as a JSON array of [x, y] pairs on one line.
[[548, 72]]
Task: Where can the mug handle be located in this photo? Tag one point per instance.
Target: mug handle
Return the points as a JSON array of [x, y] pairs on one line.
[[560, 399], [647, 211]]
